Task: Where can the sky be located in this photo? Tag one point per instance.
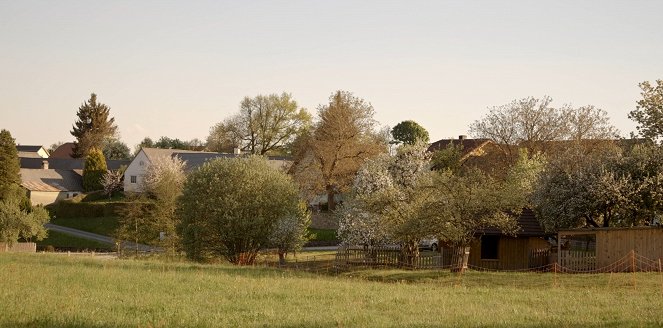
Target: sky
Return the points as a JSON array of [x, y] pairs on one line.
[[176, 68]]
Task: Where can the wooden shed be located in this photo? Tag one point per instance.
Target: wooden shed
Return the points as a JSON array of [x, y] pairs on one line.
[[497, 251], [603, 249]]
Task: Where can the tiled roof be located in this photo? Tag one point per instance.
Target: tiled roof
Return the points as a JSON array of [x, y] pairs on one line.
[[64, 151], [51, 180], [467, 145], [529, 226], [28, 148], [66, 163]]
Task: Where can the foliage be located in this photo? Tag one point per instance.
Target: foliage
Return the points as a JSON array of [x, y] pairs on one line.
[[264, 124], [343, 138], [94, 170], [391, 201], [150, 217], [291, 233], [18, 223], [168, 143], [649, 111], [92, 127], [409, 133], [230, 207], [112, 182], [534, 123], [72, 209], [115, 149], [103, 225], [448, 158], [9, 163], [608, 188]]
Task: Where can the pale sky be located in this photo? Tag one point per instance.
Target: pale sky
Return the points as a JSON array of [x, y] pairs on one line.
[[175, 68]]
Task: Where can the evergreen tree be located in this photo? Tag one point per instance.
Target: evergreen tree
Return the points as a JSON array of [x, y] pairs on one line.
[[9, 163], [95, 168], [409, 133], [93, 126]]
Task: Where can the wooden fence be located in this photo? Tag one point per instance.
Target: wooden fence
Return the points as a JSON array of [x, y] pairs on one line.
[[578, 260], [392, 257], [18, 248]]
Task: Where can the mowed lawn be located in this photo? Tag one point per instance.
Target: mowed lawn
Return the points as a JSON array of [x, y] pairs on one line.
[[48, 290]]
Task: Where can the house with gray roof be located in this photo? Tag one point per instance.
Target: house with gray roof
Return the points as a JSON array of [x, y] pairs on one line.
[[46, 186], [133, 176], [32, 151]]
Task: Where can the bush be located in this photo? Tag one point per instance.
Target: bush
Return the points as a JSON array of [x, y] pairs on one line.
[[73, 209]]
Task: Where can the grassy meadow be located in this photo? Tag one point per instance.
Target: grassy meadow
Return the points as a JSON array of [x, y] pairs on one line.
[[53, 290]]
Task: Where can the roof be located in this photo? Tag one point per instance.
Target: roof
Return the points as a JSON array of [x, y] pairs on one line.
[[66, 163], [529, 226], [65, 150], [27, 148], [467, 145], [51, 180], [153, 153]]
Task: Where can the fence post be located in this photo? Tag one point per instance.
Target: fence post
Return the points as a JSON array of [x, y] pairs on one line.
[[633, 267], [660, 273]]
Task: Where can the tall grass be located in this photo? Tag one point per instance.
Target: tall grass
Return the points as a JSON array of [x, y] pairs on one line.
[[42, 290]]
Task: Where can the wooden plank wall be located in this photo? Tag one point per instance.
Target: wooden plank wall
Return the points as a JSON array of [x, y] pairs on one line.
[[614, 244], [513, 253]]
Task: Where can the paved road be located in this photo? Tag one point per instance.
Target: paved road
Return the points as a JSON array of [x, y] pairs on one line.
[[96, 237]]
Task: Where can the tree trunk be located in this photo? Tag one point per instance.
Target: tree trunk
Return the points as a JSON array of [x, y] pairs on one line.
[[460, 258], [331, 200], [409, 254], [282, 258]]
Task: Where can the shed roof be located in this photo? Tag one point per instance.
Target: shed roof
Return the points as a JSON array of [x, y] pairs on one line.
[[66, 163], [529, 226], [66, 150]]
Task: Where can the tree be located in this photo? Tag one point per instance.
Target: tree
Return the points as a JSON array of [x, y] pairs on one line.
[[579, 189], [649, 111], [92, 127], [291, 233], [534, 123], [17, 222], [391, 201], [343, 138], [264, 124], [112, 181], [230, 207], [94, 170], [168, 143], [150, 217], [114, 149], [409, 133], [9, 163]]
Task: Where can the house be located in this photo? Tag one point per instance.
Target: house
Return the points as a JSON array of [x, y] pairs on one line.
[[468, 147], [46, 186], [49, 180], [32, 151], [64, 151], [133, 176]]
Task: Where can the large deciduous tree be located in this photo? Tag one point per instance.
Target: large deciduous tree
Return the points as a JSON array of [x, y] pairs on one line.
[[94, 170], [409, 133], [649, 111], [231, 207], [115, 149], [343, 138], [534, 123], [92, 127], [265, 123]]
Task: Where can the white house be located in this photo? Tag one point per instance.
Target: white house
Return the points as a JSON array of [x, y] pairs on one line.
[[133, 176]]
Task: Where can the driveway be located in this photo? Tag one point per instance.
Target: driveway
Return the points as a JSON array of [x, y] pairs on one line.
[[98, 238]]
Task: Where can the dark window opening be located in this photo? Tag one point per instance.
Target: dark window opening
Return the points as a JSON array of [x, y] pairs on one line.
[[490, 247]]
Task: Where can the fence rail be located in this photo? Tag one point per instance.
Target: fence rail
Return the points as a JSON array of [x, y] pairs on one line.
[[18, 247]]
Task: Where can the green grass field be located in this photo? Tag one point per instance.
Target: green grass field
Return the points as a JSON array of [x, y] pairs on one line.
[[43, 290]]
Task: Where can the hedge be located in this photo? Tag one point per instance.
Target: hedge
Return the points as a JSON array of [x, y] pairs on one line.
[[69, 209]]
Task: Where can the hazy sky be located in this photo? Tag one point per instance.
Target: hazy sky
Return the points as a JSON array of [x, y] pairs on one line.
[[177, 68]]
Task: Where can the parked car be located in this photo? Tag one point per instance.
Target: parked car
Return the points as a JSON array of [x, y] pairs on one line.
[[429, 243]]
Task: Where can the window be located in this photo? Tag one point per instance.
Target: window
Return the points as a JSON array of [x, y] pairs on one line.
[[490, 247], [133, 179]]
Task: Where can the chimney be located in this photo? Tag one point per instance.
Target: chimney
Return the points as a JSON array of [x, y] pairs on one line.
[[462, 137], [44, 165], [237, 151]]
